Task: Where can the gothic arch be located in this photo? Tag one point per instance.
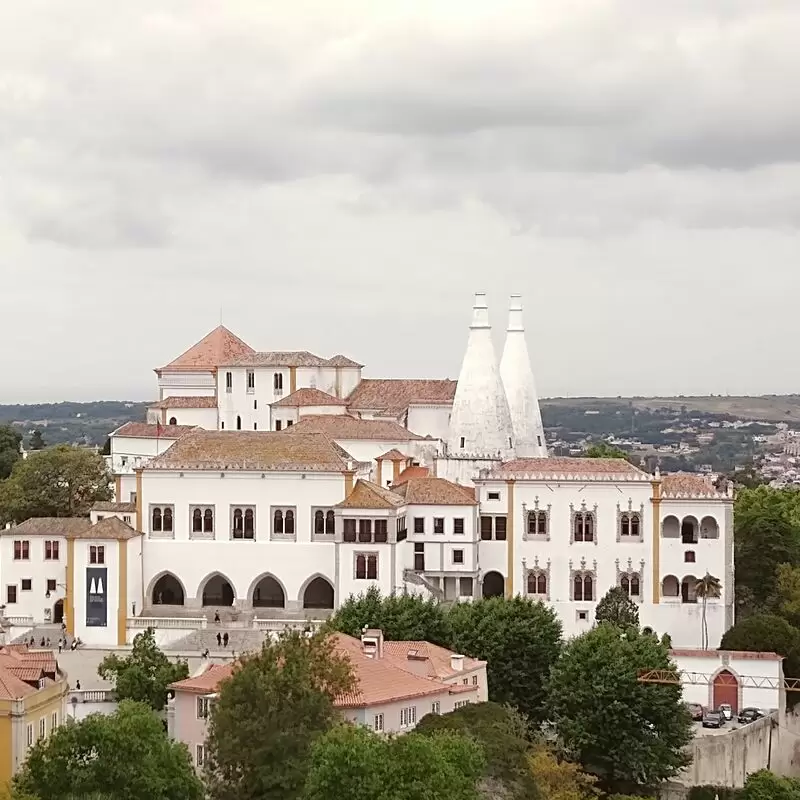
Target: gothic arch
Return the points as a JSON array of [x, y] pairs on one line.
[[266, 600], [322, 594], [151, 589], [215, 599]]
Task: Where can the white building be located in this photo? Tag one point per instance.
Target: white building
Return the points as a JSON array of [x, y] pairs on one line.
[[279, 483]]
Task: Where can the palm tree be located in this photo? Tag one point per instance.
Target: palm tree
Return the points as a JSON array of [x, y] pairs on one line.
[[707, 586]]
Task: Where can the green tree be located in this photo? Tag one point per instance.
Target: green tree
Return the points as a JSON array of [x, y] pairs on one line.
[[707, 587], [63, 481], [604, 450], [519, 638], [557, 779], [627, 733], [121, 754], [406, 617], [767, 534], [145, 674], [503, 734], [766, 633], [9, 450], [269, 714], [352, 762], [617, 608], [764, 785], [36, 442]]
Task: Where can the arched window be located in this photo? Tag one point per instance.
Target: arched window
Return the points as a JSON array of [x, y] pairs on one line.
[[635, 591], [249, 523], [208, 521], [238, 423], [588, 528], [588, 588], [625, 584], [319, 522], [635, 525], [537, 583], [277, 522], [289, 522], [579, 527], [238, 523], [625, 525], [537, 523], [197, 521], [330, 522], [584, 526], [168, 520], [173, 421], [578, 588], [361, 566], [156, 525]]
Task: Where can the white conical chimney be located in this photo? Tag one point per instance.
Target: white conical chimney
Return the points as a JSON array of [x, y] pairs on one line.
[[480, 423], [520, 387]]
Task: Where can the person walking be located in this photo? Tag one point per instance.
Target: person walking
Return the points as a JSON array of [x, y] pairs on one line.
[[219, 639], [216, 617], [225, 639], [60, 643]]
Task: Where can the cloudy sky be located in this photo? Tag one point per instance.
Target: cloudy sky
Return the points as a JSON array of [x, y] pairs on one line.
[[342, 176]]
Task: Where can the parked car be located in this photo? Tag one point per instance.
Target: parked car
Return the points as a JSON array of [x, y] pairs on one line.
[[726, 711], [696, 710], [747, 715], [713, 719]]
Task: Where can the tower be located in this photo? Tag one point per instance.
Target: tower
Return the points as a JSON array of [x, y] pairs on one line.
[[520, 387], [480, 423]]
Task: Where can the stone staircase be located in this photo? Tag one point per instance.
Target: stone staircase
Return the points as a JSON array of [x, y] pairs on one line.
[[241, 640], [39, 632]]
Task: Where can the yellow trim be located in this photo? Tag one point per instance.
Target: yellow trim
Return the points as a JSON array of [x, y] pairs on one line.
[[510, 539], [292, 380], [118, 488], [656, 501], [348, 482], [69, 600], [138, 500], [122, 606]]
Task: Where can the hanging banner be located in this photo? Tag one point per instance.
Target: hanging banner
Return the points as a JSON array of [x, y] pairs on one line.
[[96, 597]]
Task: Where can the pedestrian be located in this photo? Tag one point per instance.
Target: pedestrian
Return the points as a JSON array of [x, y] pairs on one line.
[[60, 643], [225, 639], [219, 639], [48, 642], [78, 685], [32, 642], [205, 653], [41, 644], [216, 617]]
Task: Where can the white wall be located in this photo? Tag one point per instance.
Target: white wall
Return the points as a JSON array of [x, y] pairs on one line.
[[129, 452], [135, 576], [429, 420], [202, 417], [186, 384], [97, 635]]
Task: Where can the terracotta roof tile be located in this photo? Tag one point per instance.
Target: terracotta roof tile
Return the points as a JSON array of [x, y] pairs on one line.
[[394, 455], [206, 401], [366, 494], [12, 687], [430, 491], [687, 484], [719, 654], [437, 659], [277, 358], [207, 682], [109, 528], [578, 467], [115, 508], [343, 426], [342, 361], [412, 472], [216, 348], [260, 451], [308, 397], [73, 528], [395, 395], [26, 673], [144, 430]]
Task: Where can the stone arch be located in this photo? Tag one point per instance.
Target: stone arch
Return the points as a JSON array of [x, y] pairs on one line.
[[688, 591], [173, 421], [494, 584], [162, 583], [709, 528], [725, 687], [670, 527], [58, 611], [690, 530], [216, 589], [670, 586], [317, 592], [266, 591]]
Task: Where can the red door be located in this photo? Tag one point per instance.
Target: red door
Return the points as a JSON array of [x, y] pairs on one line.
[[726, 690]]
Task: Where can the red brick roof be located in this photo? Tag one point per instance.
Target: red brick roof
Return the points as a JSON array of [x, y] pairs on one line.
[[205, 401], [308, 397], [434, 492], [395, 395], [143, 430], [218, 347], [366, 494], [343, 426]]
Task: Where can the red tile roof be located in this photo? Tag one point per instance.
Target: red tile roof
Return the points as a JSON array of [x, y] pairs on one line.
[[143, 430], [686, 484], [395, 395], [343, 426], [342, 361], [112, 528], [205, 401], [308, 397], [218, 347], [366, 494], [277, 358], [412, 472], [434, 492], [718, 654], [393, 455], [437, 659], [577, 467], [19, 667], [115, 508], [206, 682]]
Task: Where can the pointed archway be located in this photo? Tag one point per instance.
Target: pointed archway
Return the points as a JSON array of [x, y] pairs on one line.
[[494, 584], [318, 593]]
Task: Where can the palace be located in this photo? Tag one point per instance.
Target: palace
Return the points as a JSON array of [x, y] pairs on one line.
[[273, 485]]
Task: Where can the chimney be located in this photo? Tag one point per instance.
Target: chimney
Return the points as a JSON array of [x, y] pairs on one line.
[[457, 662], [372, 642]]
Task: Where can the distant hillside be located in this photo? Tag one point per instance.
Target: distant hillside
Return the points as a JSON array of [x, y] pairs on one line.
[[88, 423]]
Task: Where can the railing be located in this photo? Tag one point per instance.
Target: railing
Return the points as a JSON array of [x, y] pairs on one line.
[[278, 625], [191, 623], [92, 696], [20, 620]]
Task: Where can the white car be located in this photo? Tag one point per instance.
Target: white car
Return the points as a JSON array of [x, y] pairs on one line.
[[726, 711]]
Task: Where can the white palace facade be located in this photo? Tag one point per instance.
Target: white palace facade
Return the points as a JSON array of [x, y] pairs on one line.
[[273, 485]]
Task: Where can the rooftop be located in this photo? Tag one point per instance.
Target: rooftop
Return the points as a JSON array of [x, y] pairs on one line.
[[114, 508], [342, 361], [308, 397], [218, 347], [275, 358], [393, 455], [366, 494], [396, 395], [258, 451], [438, 660], [143, 430], [412, 472], [206, 401], [111, 528], [343, 426], [567, 468], [430, 491], [688, 485], [22, 669]]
